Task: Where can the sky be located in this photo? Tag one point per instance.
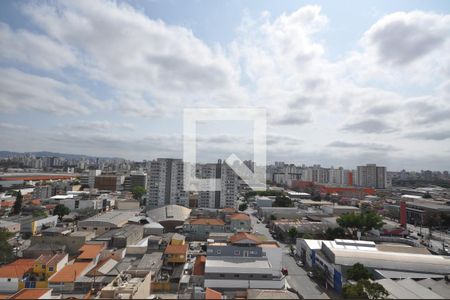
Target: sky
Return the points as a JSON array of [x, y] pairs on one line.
[[344, 83]]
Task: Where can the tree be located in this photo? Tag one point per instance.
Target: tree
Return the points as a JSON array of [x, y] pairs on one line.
[[363, 222], [427, 195], [282, 201], [334, 233], [292, 233], [138, 192], [273, 217], [353, 291], [61, 210], [243, 206], [39, 213], [358, 272], [307, 236], [17, 208], [6, 250], [374, 290]]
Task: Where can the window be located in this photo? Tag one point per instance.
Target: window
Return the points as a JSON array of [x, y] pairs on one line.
[[236, 275], [9, 279], [50, 269], [95, 228], [237, 252], [218, 252], [264, 276], [251, 275], [222, 275], [43, 266]]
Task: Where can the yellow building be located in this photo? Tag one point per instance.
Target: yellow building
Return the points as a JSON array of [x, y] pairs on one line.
[[44, 267], [176, 254], [178, 239]]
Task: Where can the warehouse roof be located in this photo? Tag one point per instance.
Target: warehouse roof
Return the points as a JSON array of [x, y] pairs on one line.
[[169, 213], [114, 218]]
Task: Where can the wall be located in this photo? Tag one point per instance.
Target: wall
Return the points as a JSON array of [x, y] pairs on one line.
[[9, 286]]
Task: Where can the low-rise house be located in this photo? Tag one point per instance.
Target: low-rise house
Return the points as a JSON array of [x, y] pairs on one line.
[[44, 267], [91, 252], [38, 293], [12, 227], [176, 254], [239, 222], [199, 229], [122, 237], [64, 280], [11, 275]]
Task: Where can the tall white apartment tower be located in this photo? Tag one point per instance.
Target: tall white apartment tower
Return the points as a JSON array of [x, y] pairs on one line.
[[226, 194], [165, 183]]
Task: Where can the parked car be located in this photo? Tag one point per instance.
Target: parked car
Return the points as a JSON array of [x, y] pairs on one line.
[[258, 222], [299, 263], [267, 226], [310, 274]]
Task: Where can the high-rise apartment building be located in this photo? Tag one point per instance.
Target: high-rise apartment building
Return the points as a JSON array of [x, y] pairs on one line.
[[371, 176], [165, 183], [227, 191]]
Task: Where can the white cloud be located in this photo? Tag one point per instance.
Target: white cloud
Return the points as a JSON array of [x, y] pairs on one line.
[[12, 126], [33, 49], [23, 91]]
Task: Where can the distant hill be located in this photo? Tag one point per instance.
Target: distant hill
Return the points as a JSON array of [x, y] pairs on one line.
[[50, 154]]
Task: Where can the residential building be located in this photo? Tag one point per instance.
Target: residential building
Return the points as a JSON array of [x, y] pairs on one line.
[[12, 227], [44, 267], [371, 176], [64, 280], [88, 178], [176, 251], [238, 222], [199, 229], [227, 191], [165, 183], [11, 275]]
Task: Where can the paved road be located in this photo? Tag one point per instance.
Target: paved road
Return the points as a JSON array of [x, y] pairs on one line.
[[297, 278]]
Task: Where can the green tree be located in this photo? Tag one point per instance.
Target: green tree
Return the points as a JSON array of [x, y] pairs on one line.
[[307, 236], [39, 213], [334, 233], [354, 291], [243, 206], [6, 250], [273, 217], [282, 201], [363, 222], [374, 290], [427, 195], [358, 272], [17, 208], [293, 233], [138, 192], [61, 210]]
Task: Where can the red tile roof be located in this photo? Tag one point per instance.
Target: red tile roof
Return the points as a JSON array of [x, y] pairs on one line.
[[17, 268], [30, 293], [212, 294], [229, 209], [199, 265], [205, 221], [90, 251], [244, 236], [36, 202], [242, 217], [176, 249], [7, 204], [70, 272]]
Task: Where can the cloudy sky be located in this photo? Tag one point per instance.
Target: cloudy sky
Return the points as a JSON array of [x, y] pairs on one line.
[[344, 83]]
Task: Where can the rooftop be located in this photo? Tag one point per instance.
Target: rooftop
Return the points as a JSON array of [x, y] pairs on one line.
[[241, 217], [17, 268], [204, 221], [212, 294], [90, 251], [169, 212], [70, 272], [30, 294], [176, 249], [237, 264], [115, 217], [244, 237]]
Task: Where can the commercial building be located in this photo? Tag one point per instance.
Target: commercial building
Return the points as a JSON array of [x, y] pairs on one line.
[[135, 179], [109, 182], [263, 201], [245, 262], [165, 183], [169, 216], [122, 237], [106, 221], [335, 257], [88, 178]]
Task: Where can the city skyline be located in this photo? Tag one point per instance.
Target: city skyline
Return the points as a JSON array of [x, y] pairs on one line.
[[340, 88]]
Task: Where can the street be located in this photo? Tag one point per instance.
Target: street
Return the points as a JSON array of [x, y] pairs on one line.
[[297, 278]]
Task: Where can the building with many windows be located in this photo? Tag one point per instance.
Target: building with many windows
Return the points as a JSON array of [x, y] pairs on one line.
[[165, 183]]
